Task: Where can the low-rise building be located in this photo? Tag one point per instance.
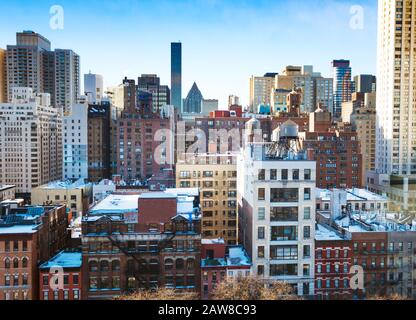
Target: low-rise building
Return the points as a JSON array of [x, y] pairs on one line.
[[77, 196], [63, 271], [7, 192], [28, 236], [219, 262], [140, 241]]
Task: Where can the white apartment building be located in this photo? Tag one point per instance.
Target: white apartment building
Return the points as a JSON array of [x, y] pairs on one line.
[[93, 87], [75, 143], [396, 100], [30, 140], [276, 210], [260, 90]]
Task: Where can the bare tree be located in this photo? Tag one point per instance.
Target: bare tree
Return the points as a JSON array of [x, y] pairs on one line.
[[253, 288], [389, 297], [160, 294]]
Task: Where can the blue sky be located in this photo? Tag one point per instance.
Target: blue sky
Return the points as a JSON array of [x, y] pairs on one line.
[[224, 41]]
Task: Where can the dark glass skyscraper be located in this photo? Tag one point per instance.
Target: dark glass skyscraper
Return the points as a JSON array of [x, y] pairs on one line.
[[343, 85], [192, 103], [176, 75]]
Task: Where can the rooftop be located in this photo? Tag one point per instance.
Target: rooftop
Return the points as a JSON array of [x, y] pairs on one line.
[[65, 185], [65, 260], [237, 257], [117, 204], [6, 187], [323, 233], [354, 194]]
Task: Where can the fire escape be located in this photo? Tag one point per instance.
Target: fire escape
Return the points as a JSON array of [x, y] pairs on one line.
[[141, 270]]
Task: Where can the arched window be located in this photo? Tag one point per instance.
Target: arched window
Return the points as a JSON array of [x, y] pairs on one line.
[[93, 266], [24, 262], [168, 264], [15, 263], [180, 264], [104, 265], [115, 265], [190, 264], [130, 266], [7, 263]]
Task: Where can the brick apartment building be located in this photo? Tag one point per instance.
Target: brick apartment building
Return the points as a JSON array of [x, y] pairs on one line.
[[136, 137], [219, 262], [70, 262], [333, 255], [141, 241], [28, 237]]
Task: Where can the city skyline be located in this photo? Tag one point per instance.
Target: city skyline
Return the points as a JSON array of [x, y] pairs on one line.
[[212, 59]]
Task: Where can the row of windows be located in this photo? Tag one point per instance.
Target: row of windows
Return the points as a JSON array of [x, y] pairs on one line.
[[283, 194], [65, 295], [16, 264], [15, 245], [285, 174]]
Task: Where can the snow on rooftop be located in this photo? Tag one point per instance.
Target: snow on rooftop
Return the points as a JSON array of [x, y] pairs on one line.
[[238, 257], [64, 260], [65, 185], [354, 194], [157, 195], [184, 191], [19, 229], [323, 234], [213, 241], [117, 204]]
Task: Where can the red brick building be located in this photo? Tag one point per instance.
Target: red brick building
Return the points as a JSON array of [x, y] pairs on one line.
[[141, 241], [218, 262], [333, 261], [68, 284], [28, 237]]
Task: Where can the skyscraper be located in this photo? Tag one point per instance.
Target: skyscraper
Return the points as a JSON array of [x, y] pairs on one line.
[[93, 87], [343, 85], [26, 63], [160, 93], [365, 83], [192, 103], [67, 78], [3, 76], [176, 75], [37, 158], [32, 64], [261, 89], [396, 105]]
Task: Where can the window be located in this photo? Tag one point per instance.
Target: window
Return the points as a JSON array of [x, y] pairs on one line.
[[24, 262], [66, 279], [45, 295], [283, 270], [261, 233], [307, 251], [336, 267], [284, 214], [285, 174], [273, 174], [306, 232], [307, 194], [180, 264], [295, 174], [306, 270], [260, 270], [190, 264], [16, 263], [15, 246], [7, 263], [284, 233], [45, 280], [76, 294], [261, 214], [284, 252], [284, 195], [260, 252], [115, 265], [75, 279], [262, 175], [168, 264], [56, 295], [261, 194], [66, 295], [319, 268], [307, 213], [307, 174]]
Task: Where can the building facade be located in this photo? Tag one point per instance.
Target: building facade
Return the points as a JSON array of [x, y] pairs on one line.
[[93, 87], [3, 76], [343, 85], [75, 142], [276, 209], [176, 75], [216, 177], [30, 141]]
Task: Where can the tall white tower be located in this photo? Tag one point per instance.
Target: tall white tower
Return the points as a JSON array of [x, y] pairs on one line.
[[396, 80]]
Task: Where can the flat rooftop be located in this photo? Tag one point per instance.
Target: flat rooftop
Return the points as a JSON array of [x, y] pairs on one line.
[[354, 194], [117, 204], [65, 260], [65, 185], [323, 233]]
